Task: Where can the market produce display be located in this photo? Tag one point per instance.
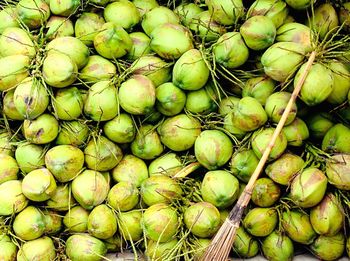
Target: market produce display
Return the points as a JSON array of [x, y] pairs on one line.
[[135, 126]]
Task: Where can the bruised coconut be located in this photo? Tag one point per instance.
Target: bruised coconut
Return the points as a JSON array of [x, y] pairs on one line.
[[123, 196], [278, 247], [12, 199], [259, 88], [14, 41], [85, 247], [337, 169], [9, 107], [275, 105], [76, 219], [68, 103], [265, 192], [29, 224], [97, 69], [102, 222], [296, 132], [244, 245], [8, 168], [297, 33], [337, 139], [260, 222], [53, 222], [243, 164], [41, 130], [41, 249]]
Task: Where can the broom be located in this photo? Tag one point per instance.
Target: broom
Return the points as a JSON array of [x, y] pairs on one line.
[[220, 247]]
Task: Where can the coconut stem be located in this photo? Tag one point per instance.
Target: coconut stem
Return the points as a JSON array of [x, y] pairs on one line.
[[184, 172], [221, 244]]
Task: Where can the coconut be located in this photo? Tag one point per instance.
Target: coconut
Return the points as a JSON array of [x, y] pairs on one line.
[[261, 139], [259, 88], [258, 32], [243, 164], [99, 2], [277, 11], [170, 99], [202, 101], [341, 85], [260, 222], [156, 17], [318, 84], [130, 169], [73, 133], [170, 41], [29, 157], [64, 7], [147, 144], [9, 107], [102, 101], [39, 185], [298, 227], [12, 199], [33, 13], [8, 168], [65, 162], [8, 250], [29, 224], [344, 16], [14, 40], [41, 130], [112, 41], [137, 95], [281, 60], [90, 189], [299, 4], [58, 69], [85, 247], [160, 189], [87, 27], [6, 146], [114, 244], [180, 132], [160, 222], [102, 222], [187, 12], [8, 18], [329, 247], [295, 32], [275, 105], [168, 164], [97, 69], [249, 114], [265, 192], [225, 12], [213, 149], [227, 105], [296, 132], [58, 26], [76, 219], [319, 124], [41, 249], [191, 61], [130, 225], [324, 20], [278, 247], [337, 169], [128, 15], [13, 70], [202, 219], [201, 244], [61, 199], [244, 245], [123, 196], [53, 222], [228, 126], [101, 154], [206, 28], [337, 139], [159, 251], [68, 103], [140, 45], [220, 188], [121, 129]]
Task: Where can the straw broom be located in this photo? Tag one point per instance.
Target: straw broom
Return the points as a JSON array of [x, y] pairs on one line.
[[219, 248]]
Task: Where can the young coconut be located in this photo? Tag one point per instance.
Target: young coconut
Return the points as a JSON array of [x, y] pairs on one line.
[[64, 7], [102, 222], [297, 33], [337, 169], [73, 133], [140, 45], [53, 222], [244, 244], [97, 69], [337, 139], [319, 124], [278, 247], [87, 26], [168, 164], [296, 132], [9, 107], [170, 99], [187, 12], [341, 85], [160, 251], [8, 18], [123, 196], [41, 249], [68, 103], [260, 222], [61, 199], [76, 220], [260, 88], [33, 13], [130, 169], [130, 225], [8, 250], [8, 168], [12, 199], [275, 105], [158, 16], [14, 40], [225, 12], [13, 70], [329, 247], [243, 164], [58, 26], [265, 192], [120, 129], [128, 15]]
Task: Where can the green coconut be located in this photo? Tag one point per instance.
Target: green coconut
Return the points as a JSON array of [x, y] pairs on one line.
[[275, 105], [341, 85], [278, 247], [220, 188], [90, 189], [156, 17], [319, 124], [87, 26], [8, 18], [202, 219], [160, 222], [258, 32], [137, 95], [85, 247], [160, 251], [336, 170], [102, 222], [187, 12], [225, 12], [68, 103], [140, 45], [329, 247], [299, 4], [337, 139], [298, 227], [227, 105], [120, 129], [128, 15], [260, 222], [260, 88], [13, 70], [76, 219], [8, 168], [168, 164], [343, 14], [243, 163], [12, 199], [130, 225], [160, 189], [202, 101], [29, 157], [123, 196], [201, 244], [9, 107], [244, 245], [64, 7], [97, 69], [8, 250], [147, 144], [29, 224], [265, 192], [112, 41], [41, 130], [72, 133], [14, 40], [41, 249], [295, 32], [231, 128], [62, 199], [58, 26], [53, 222], [114, 244], [33, 13], [296, 132], [170, 100]]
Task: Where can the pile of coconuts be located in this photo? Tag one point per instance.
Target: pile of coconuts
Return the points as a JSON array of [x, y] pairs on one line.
[[133, 126]]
